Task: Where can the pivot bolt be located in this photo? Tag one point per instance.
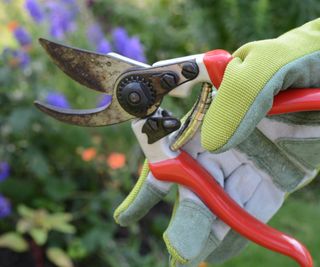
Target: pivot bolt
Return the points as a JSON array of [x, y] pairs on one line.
[[134, 98], [168, 81], [190, 70]]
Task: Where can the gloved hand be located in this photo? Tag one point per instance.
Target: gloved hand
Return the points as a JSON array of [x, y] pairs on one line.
[[264, 163]]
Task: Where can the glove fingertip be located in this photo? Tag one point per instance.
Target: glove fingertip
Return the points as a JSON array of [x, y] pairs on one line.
[[123, 207], [137, 204], [188, 232], [175, 257], [226, 125]]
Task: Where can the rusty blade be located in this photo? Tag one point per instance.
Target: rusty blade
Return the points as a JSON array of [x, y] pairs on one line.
[[106, 115], [96, 71]]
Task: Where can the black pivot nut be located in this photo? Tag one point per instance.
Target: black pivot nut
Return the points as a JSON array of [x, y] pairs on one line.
[[135, 96], [169, 81], [190, 70], [158, 127]]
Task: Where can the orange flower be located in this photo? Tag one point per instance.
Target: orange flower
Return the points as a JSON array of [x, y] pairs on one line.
[[116, 160], [12, 25], [89, 154], [203, 264]]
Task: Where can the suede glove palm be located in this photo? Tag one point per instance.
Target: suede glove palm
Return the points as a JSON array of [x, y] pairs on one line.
[[260, 160]]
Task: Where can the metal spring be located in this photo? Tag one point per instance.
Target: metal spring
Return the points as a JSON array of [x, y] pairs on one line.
[[195, 118]]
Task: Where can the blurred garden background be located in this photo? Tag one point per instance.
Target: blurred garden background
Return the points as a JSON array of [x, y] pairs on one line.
[[60, 184]]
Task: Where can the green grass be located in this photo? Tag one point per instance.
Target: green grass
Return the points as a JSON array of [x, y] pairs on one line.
[[299, 217]]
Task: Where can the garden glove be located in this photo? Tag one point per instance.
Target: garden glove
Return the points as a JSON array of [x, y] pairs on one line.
[[257, 73], [264, 164]]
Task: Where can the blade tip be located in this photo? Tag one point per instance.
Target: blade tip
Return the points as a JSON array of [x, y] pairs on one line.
[[37, 103], [42, 41]]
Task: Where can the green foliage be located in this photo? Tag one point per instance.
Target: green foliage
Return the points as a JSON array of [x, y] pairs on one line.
[[59, 257], [65, 203], [13, 241]]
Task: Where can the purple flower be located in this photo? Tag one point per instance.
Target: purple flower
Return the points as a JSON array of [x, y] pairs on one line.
[[22, 57], [135, 49], [22, 36], [95, 34], [104, 47], [57, 99], [34, 9], [120, 39], [129, 47], [96, 38], [16, 57], [4, 170], [105, 100], [5, 207], [62, 16]]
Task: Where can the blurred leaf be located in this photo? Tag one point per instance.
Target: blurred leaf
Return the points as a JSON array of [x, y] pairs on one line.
[[23, 226], [57, 218], [77, 249], [20, 119], [4, 74], [59, 189], [59, 222], [92, 239], [12, 188], [59, 257], [25, 211], [13, 241], [39, 235], [37, 163]]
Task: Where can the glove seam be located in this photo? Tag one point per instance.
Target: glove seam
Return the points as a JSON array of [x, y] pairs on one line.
[[191, 204], [173, 252], [155, 190], [263, 166], [294, 119], [282, 142], [213, 238], [133, 194]]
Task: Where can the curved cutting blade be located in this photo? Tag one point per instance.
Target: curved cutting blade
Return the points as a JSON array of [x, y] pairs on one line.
[[96, 71], [105, 115]]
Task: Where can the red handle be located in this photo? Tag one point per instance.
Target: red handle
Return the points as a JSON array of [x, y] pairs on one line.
[[296, 100], [186, 171]]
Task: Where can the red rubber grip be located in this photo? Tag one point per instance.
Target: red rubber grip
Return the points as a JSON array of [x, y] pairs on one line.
[[296, 100], [216, 62], [186, 171]]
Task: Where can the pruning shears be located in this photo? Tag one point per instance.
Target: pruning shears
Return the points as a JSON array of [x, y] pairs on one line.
[[137, 90]]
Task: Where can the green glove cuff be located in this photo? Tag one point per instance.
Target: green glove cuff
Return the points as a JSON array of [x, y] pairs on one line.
[[252, 77]]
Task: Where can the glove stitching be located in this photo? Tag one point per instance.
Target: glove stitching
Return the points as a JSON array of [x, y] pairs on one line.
[[261, 163], [284, 142], [297, 119], [213, 239], [173, 252]]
